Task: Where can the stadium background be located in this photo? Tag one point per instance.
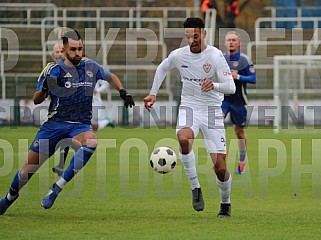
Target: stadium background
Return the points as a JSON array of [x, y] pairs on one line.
[[118, 196], [18, 82]]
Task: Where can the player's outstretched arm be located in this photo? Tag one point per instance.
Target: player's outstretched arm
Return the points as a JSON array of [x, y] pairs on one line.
[[160, 74], [116, 83]]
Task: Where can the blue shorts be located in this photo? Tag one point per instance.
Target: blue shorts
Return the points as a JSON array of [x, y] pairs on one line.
[[53, 135], [238, 113]]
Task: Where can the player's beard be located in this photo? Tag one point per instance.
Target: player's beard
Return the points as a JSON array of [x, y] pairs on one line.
[[75, 60]]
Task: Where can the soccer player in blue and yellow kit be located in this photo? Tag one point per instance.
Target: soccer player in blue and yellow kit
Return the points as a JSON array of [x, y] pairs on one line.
[[57, 55], [70, 84], [243, 72]]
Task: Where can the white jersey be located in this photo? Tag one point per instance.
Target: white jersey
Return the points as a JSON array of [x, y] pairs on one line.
[[101, 86], [194, 68]]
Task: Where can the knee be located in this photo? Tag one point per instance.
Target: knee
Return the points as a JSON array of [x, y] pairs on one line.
[[183, 141], [90, 140], [185, 138], [25, 175], [185, 146], [92, 143], [75, 144]]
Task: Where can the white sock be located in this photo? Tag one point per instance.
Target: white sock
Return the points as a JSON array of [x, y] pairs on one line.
[[102, 124], [225, 189], [61, 183], [188, 161]]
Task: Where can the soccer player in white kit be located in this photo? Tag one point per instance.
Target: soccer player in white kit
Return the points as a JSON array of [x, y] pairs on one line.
[[205, 78]]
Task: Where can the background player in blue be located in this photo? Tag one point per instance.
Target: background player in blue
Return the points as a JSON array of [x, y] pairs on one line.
[[70, 84], [243, 72]]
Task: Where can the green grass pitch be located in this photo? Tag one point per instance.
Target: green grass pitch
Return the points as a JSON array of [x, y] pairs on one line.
[[118, 195]]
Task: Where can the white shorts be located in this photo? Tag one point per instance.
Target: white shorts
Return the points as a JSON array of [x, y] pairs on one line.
[[211, 123]]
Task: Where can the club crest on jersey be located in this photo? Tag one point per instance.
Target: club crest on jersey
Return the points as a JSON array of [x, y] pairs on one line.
[[36, 144], [235, 64], [90, 74], [207, 67]]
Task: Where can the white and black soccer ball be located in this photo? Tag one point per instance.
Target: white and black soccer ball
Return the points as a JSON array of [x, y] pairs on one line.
[[163, 160]]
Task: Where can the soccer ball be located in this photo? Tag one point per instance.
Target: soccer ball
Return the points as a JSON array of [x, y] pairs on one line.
[[163, 160]]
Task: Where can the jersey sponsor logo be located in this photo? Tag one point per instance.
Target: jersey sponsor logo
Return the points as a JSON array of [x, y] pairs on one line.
[[89, 74], [184, 66], [68, 75], [207, 67], [193, 79], [81, 84], [68, 84], [227, 73]]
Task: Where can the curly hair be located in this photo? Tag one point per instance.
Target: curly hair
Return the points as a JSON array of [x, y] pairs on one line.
[[194, 22]]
